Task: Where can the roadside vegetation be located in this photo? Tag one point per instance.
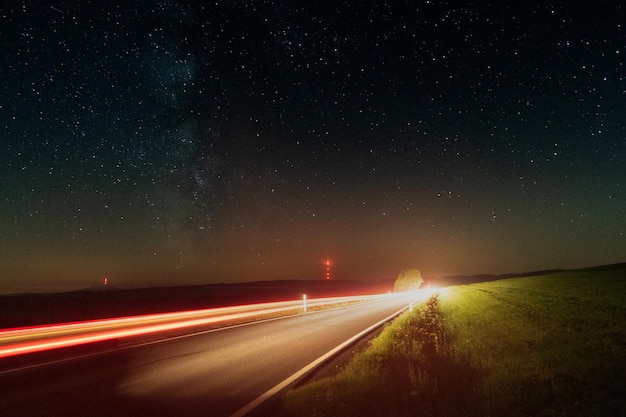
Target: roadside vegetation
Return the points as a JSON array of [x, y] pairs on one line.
[[411, 366], [549, 345]]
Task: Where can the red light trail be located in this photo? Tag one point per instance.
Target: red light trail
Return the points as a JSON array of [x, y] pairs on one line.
[[19, 341]]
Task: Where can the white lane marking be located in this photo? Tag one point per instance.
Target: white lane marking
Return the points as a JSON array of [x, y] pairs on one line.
[[293, 378], [131, 345]]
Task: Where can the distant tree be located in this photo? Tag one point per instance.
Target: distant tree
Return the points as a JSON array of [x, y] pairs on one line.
[[408, 279]]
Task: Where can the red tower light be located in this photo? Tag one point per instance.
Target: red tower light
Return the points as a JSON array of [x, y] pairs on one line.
[[328, 264]]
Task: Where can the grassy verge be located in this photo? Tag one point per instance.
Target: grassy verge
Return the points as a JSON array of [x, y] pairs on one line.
[[410, 366], [551, 345]]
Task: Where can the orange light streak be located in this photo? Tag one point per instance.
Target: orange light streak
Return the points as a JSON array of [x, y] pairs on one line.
[[19, 341]]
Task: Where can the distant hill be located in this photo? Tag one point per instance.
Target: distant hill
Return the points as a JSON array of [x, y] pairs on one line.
[[17, 310], [470, 279]]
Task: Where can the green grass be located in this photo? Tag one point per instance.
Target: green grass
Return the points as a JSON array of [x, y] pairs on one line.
[[551, 345], [409, 366]]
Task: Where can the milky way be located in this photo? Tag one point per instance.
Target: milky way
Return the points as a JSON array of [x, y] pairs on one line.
[[177, 142]]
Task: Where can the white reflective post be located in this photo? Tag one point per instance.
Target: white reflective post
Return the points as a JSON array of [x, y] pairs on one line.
[[304, 302]]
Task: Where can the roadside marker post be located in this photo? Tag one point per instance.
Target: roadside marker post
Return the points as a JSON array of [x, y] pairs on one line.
[[304, 302]]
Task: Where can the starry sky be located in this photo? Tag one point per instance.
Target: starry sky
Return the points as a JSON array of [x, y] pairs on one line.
[[172, 142]]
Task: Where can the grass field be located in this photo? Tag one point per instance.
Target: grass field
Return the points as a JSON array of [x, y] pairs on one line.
[[550, 345]]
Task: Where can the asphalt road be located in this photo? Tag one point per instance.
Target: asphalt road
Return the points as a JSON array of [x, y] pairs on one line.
[[209, 374], [20, 341]]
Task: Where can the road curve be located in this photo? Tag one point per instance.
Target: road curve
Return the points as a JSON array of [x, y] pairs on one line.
[[215, 373]]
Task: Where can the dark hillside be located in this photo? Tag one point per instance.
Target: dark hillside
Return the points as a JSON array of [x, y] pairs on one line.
[[472, 279], [33, 309]]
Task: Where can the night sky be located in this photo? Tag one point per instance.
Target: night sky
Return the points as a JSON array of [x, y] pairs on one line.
[[189, 142]]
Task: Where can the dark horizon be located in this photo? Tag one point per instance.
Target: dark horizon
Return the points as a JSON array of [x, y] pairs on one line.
[[431, 279]]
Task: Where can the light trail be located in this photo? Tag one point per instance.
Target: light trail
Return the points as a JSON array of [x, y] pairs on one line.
[[20, 341]]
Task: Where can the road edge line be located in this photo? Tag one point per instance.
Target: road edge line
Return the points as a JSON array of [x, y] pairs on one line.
[[310, 367]]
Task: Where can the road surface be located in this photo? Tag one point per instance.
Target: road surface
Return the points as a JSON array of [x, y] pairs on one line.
[[216, 373], [20, 341]]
